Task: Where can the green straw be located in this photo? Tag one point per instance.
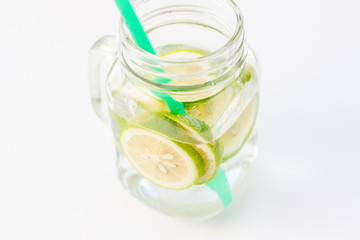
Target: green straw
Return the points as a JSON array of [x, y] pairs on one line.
[[133, 24], [219, 183]]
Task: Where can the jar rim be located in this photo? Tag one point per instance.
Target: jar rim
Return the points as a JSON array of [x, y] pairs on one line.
[[233, 52], [238, 29]]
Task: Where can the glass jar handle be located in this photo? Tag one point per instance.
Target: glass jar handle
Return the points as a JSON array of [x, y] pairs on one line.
[[101, 56]]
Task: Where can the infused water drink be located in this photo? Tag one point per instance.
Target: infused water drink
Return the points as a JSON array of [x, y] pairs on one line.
[[183, 120]]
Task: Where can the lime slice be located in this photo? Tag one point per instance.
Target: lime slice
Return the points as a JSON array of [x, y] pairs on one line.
[[119, 121], [246, 74], [188, 68], [185, 68], [209, 110], [199, 131], [146, 99], [237, 135], [142, 97], [211, 154], [180, 128], [183, 54], [164, 162]]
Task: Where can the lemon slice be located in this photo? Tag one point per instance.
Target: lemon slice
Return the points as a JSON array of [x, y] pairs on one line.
[[169, 164], [193, 132], [237, 135]]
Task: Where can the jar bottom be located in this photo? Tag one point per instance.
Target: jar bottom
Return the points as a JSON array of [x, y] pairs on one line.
[[197, 202]]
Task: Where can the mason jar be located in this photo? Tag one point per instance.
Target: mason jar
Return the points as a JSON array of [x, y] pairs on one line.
[[183, 120]]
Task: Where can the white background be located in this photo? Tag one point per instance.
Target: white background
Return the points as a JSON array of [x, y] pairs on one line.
[[57, 174]]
